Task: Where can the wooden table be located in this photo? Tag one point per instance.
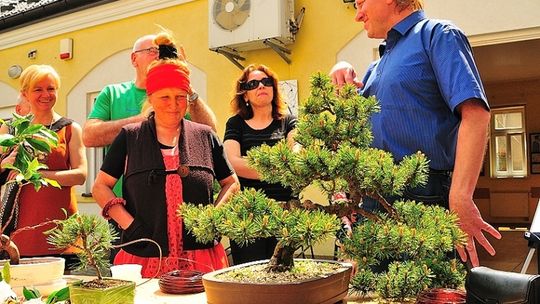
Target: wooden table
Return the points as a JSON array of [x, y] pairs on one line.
[[149, 292]]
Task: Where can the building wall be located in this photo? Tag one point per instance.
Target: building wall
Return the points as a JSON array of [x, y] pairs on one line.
[[328, 33], [94, 45]]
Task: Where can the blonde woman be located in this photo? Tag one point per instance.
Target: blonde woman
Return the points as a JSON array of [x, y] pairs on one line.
[[66, 164]]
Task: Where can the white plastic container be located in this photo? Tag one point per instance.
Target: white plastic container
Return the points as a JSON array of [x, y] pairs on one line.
[[128, 272]]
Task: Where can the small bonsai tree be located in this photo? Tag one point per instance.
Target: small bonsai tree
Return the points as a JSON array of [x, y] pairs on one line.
[[30, 141], [90, 234], [334, 131]]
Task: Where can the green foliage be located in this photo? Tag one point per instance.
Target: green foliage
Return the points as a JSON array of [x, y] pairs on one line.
[[31, 293], [250, 215], [417, 245], [403, 280], [5, 275], [334, 131], [58, 296], [29, 140], [90, 234]]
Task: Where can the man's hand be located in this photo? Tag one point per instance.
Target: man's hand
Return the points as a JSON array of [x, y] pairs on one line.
[[474, 226], [343, 73]]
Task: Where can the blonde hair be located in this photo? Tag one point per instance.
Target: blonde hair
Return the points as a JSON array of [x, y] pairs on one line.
[[35, 73], [165, 37], [415, 5]]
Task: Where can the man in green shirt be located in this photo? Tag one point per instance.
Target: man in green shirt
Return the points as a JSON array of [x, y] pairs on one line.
[[120, 104]]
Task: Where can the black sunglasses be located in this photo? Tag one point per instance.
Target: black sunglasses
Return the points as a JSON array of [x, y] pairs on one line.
[[253, 84]]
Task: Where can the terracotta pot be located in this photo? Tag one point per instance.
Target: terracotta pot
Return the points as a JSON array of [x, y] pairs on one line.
[[45, 274], [442, 296], [317, 291]]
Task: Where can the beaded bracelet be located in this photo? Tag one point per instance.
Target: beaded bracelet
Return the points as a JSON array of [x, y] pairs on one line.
[[113, 201]]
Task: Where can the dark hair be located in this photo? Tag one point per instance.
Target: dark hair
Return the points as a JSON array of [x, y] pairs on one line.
[[167, 46], [279, 107]]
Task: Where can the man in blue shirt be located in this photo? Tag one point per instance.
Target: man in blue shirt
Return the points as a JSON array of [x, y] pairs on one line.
[[432, 100]]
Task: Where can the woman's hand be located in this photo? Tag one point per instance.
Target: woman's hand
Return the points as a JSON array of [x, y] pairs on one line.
[[9, 159], [229, 186]]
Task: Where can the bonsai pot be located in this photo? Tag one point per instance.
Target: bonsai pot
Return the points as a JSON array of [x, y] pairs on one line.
[[330, 289], [44, 274], [122, 293]]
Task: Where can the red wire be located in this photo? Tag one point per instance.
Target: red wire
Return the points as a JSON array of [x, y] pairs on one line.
[[181, 282]]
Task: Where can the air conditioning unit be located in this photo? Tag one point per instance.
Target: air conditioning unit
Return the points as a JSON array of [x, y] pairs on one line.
[[245, 25]]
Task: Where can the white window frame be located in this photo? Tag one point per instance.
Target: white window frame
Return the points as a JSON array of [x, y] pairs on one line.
[[94, 156], [508, 133]]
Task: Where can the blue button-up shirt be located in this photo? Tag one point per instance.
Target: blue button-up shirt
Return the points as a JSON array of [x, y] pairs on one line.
[[426, 70]]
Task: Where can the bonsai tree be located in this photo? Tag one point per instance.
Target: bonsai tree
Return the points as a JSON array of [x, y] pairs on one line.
[[335, 134], [90, 234], [30, 141], [250, 215]]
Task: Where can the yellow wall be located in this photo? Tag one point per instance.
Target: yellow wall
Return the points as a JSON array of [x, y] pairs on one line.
[[327, 27]]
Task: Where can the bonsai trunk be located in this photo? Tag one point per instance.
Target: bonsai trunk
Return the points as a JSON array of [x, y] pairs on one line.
[[282, 259]]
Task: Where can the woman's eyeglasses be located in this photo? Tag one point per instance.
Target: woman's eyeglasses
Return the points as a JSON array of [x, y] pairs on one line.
[[253, 84]]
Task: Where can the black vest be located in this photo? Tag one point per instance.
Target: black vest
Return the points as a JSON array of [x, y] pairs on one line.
[[144, 181]]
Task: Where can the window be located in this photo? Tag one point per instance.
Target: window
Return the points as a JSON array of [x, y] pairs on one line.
[[93, 155], [508, 142]]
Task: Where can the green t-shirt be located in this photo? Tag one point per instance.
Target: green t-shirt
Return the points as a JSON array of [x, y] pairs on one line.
[[118, 101]]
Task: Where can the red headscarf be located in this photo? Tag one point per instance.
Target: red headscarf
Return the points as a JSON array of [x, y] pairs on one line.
[[167, 76]]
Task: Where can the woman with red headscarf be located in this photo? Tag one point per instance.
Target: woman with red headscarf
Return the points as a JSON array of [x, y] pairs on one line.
[[165, 161]]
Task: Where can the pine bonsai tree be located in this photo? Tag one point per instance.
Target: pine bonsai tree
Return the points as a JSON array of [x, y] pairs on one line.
[[90, 234], [335, 134]]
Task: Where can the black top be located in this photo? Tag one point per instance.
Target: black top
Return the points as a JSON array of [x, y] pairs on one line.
[[136, 154], [237, 129]]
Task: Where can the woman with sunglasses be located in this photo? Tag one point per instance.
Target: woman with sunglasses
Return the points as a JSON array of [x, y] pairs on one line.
[[165, 160], [261, 117]]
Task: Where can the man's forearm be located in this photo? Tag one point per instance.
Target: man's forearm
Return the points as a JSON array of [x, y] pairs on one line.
[[99, 133], [200, 112], [470, 150]]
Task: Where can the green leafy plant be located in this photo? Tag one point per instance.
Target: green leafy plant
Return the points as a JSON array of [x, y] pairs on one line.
[[334, 131], [30, 141], [90, 234], [57, 296]]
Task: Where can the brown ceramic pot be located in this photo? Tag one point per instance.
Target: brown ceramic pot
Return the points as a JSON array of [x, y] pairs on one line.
[[327, 290]]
